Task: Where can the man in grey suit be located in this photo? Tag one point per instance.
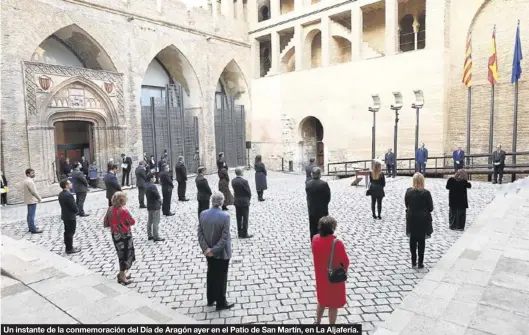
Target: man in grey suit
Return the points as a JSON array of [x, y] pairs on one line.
[[141, 182], [498, 160], [80, 187], [215, 241], [242, 195], [308, 169]]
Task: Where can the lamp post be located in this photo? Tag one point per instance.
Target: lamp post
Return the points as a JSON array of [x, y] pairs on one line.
[[374, 108], [419, 102], [396, 107]]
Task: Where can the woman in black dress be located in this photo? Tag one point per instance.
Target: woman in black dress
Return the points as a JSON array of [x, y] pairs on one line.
[[260, 177], [419, 206], [377, 182], [224, 187], [457, 199]]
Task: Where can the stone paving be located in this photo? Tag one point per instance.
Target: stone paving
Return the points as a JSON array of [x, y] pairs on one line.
[[271, 275]]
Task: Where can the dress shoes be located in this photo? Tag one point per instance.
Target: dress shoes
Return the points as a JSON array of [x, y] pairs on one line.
[[143, 206], [36, 231], [159, 239], [150, 238], [225, 306], [84, 215], [246, 236], [185, 199], [169, 214], [73, 251], [210, 304]]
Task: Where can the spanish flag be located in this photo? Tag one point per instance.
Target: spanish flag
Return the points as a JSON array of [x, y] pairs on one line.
[[467, 68], [493, 61]]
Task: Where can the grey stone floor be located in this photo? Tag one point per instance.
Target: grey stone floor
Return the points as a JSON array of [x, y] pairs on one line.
[[271, 276]]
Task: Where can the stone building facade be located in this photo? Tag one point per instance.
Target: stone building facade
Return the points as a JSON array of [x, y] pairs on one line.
[[296, 75]]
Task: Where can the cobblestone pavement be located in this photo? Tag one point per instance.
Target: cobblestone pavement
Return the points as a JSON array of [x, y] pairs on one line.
[[271, 275]]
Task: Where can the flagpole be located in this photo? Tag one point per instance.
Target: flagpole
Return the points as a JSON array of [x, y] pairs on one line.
[[469, 117], [515, 115], [491, 118]]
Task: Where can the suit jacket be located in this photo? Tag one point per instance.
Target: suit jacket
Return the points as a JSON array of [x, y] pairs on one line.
[[84, 167], [141, 176], [499, 157], [161, 163], [152, 164], [214, 232], [457, 197], [166, 181], [66, 168], [181, 172], [79, 181], [419, 206], [241, 191], [154, 201], [69, 209], [459, 156], [203, 190], [318, 197], [221, 164], [422, 155], [128, 161], [308, 171], [389, 158], [111, 184]]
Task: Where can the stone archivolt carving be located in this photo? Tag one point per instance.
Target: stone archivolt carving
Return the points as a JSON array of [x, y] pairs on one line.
[[75, 96]]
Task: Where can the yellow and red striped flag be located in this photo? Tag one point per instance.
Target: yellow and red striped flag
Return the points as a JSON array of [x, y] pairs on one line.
[[467, 68], [493, 61]]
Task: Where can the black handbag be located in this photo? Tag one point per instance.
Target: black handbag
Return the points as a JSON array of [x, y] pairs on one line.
[[336, 275]]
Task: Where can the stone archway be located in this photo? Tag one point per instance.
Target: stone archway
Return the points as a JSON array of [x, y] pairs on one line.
[[311, 144]]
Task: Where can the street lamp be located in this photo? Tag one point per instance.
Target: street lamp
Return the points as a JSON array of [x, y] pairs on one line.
[[396, 107], [419, 102], [374, 108]]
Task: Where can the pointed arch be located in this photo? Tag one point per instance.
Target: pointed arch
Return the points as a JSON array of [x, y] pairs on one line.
[[73, 42]]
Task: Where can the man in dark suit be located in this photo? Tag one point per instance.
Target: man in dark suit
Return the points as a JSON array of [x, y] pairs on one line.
[[308, 169], [69, 212], [203, 190], [459, 158], [318, 198], [85, 166], [242, 195], [154, 204], [66, 168], [167, 190], [389, 159], [221, 163], [81, 187], [421, 157], [215, 241], [111, 183], [161, 163], [141, 182], [126, 167], [498, 161], [181, 178]]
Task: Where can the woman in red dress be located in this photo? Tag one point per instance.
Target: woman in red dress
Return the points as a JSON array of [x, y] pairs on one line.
[[330, 295]]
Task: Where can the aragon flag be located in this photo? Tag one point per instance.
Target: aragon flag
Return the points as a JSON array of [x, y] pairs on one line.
[[467, 67], [493, 61]]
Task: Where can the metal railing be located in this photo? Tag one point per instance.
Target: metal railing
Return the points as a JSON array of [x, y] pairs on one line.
[[439, 165]]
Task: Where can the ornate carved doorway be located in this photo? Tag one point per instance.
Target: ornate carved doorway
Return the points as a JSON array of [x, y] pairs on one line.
[[73, 140]]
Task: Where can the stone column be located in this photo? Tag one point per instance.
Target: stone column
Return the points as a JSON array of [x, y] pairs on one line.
[[357, 32], [275, 9], [256, 58], [276, 49], [252, 12], [227, 8], [298, 47], [392, 14], [239, 10], [215, 7], [325, 41]]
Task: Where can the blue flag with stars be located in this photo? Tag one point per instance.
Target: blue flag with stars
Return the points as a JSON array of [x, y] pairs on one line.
[[517, 59]]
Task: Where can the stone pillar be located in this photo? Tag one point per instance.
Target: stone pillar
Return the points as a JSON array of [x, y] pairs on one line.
[[239, 10], [357, 33], [215, 7], [276, 49], [275, 9], [227, 8], [392, 14], [325, 41], [256, 58], [298, 47], [252, 12]]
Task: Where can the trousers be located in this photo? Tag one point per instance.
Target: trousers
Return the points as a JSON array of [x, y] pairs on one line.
[[457, 218], [153, 222], [69, 231], [498, 169], [241, 214], [182, 185], [126, 175], [202, 206], [166, 202], [32, 209], [80, 198], [378, 202], [313, 224], [141, 196], [217, 280], [417, 243]]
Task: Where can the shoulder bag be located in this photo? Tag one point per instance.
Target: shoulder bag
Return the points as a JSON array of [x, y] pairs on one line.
[[336, 275]]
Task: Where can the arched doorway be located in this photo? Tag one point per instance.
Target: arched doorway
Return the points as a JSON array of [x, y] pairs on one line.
[[231, 98], [311, 145], [73, 140]]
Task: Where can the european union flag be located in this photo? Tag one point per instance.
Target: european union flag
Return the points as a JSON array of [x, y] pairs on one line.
[[517, 60]]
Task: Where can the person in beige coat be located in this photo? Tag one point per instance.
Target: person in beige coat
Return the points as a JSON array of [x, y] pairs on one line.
[[31, 198]]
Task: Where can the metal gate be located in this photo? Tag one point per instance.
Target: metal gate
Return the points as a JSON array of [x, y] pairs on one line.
[[167, 126], [230, 130]]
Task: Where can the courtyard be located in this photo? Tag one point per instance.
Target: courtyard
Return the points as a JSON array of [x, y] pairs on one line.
[[271, 275]]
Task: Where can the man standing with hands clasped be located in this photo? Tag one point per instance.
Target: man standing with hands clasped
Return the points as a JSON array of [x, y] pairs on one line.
[[318, 198], [459, 158], [498, 161], [181, 178], [69, 212], [126, 166], [81, 188], [31, 198], [154, 204], [203, 191], [141, 182], [421, 157], [242, 195]]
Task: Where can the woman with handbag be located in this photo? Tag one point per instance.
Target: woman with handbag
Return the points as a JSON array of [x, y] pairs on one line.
[[419, 206], [119, 220], [458, 200], [377, 182], [330, 266]]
